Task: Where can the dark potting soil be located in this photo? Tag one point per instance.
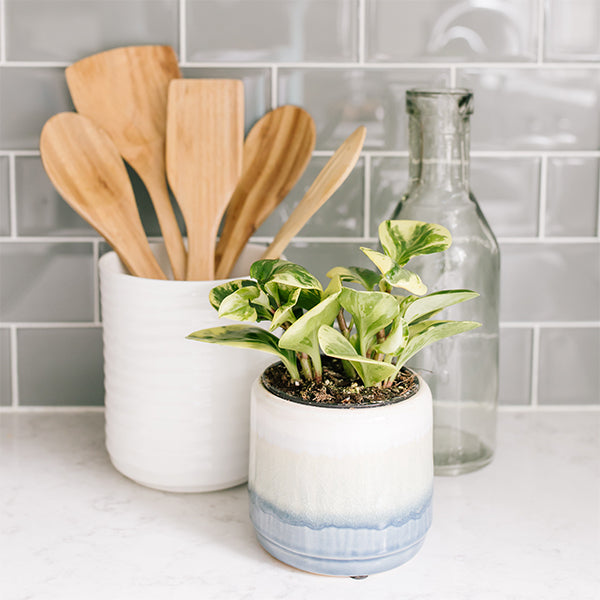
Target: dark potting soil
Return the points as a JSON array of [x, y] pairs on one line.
[[336, 388]]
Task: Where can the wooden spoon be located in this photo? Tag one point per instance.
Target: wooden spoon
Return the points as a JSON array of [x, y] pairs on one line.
[[276, 152], [330, 178], [125, 92], [205, 137], [86, 168]]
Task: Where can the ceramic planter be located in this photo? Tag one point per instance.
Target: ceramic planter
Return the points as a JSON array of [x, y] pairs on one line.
[[177, 414], [341, 491]]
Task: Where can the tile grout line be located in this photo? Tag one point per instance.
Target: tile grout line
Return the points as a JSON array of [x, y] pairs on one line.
[[274, 86], [362, 30], [411, 66], [182, 31], [598, 205], [2, 32], [452, 76], [541, 234], [503, 324], [541, 32], [96, 280], [77, 408], [367, 197], [549, 324], [404, 153], [566, 241], [14, 367], [52, 324], [12, 195], [535, 366]]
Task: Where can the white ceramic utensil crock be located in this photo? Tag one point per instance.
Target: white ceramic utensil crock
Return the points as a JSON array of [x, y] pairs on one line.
[[177, 412]]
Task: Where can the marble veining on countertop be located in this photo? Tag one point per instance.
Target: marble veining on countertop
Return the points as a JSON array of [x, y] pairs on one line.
[[525, 527]]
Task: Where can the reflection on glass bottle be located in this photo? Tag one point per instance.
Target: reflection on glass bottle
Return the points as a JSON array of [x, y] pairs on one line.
[[462, 370]]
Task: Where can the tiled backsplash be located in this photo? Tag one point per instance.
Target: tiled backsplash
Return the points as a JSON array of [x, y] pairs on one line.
[[534, 66]]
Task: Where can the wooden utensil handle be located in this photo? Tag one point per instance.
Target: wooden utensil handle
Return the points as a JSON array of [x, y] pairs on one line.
[[331, 177]]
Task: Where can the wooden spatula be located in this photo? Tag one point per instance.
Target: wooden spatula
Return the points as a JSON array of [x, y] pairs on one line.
[[205, 137], [276, 152], [87, 170], [125, 92], [330, 178]]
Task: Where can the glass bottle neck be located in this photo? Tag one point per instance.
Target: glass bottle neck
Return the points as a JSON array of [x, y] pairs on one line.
[[439, 142]]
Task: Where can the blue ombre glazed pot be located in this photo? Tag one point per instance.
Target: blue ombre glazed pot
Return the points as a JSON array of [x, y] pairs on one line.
[[341, 491]]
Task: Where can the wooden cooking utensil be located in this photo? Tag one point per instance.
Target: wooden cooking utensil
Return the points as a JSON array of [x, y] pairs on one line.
[[330, 178], [124, 90], [86, 168], [276, 152], [205, 137]]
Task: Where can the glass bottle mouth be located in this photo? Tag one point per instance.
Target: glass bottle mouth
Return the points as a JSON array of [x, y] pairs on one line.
[[461, 98]]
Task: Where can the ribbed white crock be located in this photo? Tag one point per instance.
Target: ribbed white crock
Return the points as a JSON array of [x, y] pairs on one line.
[[177, 410]]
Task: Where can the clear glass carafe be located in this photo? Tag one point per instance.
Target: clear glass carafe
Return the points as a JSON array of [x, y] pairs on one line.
[[462, 371]]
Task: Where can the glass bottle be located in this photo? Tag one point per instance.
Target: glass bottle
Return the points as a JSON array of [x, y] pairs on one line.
[[462, 371]]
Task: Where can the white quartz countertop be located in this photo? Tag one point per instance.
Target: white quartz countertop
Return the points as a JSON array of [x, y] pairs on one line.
[[525, 527]]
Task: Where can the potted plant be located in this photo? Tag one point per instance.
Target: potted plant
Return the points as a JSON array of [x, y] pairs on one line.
[[341, 467]]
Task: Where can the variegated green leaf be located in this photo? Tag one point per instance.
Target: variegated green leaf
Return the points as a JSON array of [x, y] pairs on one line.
[[248, 336], [371, 312], [427, 332], [220, 292], [420, 309], [285, 313], [301, 336], [401, 240], [283, 272], [382, 261], [237, 306], [365, 277], [334, 287], [399, 277], [394, 274], [396, 338], [336, 345]]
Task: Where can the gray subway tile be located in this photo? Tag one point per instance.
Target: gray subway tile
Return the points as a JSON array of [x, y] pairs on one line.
[[534, 108], [5, 368], [568, 371], [67, 30], [550, 282], [459, 30], [572, 30], [342, 215], [572, 196], [41, 210], [4, 196], [507, 191], [515, 365], [342, 99], [47, 282], [146, 208], [389, 180], [29, 96], [272, 30], [60, 367], [257, 87]]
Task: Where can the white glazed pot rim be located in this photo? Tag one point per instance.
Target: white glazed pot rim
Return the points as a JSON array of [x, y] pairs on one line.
[[409, 393]]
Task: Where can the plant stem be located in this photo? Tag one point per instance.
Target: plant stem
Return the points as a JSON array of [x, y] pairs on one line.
[[305, 365], [317, 367], [343, 325]]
